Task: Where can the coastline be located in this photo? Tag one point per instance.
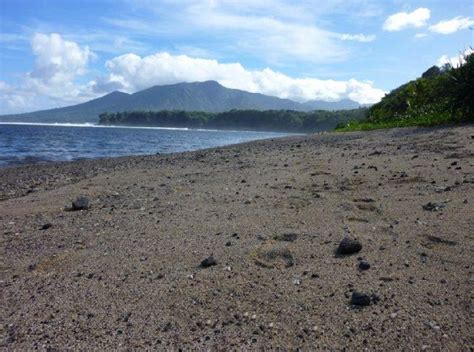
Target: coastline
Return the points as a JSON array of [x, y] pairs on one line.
[[25, 143], [125, 273], [97, 125]]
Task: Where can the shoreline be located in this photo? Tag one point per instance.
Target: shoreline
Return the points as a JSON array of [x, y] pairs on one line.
[[91, 166], [97, 125], [164, 140], [127, 273]]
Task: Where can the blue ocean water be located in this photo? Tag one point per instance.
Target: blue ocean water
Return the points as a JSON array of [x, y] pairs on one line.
[[33, 143]]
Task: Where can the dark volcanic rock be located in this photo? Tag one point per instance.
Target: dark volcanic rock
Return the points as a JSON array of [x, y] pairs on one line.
[[437, 239], [431, 206], [363, 265], [348, 246], [360, 299], [81, 203], [286, 237], [46, 226], [209, 261]]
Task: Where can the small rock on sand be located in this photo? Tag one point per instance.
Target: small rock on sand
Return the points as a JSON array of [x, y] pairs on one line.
[[349, 246], [360, 299], [208, 262], [81, 203], [286, 237], [431, 206], [46, 226], [363, 265]]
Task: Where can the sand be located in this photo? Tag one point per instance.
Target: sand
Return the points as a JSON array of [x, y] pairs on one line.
[[126, 274]]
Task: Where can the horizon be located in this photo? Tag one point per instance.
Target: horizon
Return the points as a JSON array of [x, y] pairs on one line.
[[359, 50]]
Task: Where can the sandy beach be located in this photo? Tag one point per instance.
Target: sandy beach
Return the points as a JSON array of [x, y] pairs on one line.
[[126, 273]]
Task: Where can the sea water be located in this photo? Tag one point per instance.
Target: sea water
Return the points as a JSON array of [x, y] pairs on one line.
[[32, 143]]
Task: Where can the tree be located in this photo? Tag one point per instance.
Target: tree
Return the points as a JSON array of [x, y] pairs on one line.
[[433, 71]]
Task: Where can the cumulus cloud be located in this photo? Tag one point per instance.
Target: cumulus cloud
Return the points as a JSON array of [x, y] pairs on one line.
[[402, 20], [132, 72], [52, 81], [58, 63], [454, 61], [358, 37], [452, 25]]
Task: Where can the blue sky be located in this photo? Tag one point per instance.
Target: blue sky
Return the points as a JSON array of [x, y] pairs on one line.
[[55, 53]]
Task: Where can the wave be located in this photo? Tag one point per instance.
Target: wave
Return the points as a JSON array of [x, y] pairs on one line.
[[49, 124], [92, 125], [62, 124]]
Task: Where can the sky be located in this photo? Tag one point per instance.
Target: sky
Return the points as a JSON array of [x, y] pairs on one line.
[[57, 53]]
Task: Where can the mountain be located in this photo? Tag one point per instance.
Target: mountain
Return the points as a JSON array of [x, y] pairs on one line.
[[207, 96], [344, 104]]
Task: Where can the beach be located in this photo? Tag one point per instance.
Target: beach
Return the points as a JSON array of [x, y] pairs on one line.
[[128, 271]]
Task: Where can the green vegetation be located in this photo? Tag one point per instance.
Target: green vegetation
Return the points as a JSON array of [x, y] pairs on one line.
[[441, 96], [269, 120]]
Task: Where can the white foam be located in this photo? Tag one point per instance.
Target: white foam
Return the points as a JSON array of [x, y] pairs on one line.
[[91, 125], [60, 124]]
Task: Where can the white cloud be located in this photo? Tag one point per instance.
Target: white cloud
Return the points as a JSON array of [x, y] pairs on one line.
[[59, 63], [5, 87], [278, 32], [132, 72], [452, 25], [358, 37], [58, 60], [273, 39], [420, 35], [402, 20], [52, 82], [454, 61]]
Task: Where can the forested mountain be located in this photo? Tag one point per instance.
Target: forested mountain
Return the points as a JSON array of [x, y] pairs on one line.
[[207, 96]]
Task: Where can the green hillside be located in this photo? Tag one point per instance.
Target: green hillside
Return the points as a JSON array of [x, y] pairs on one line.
[[268, 120], [440, 96]]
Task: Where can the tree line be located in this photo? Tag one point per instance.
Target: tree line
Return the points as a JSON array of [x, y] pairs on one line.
[[269, 120]]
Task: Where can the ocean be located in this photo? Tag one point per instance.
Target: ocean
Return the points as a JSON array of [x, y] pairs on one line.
[[36, 143]]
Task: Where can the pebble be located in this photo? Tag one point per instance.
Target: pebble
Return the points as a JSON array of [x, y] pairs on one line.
[[208, 262], [363, 265], [349, 246], [46, 226], [432, 206], [81, 203], [360, 299]]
